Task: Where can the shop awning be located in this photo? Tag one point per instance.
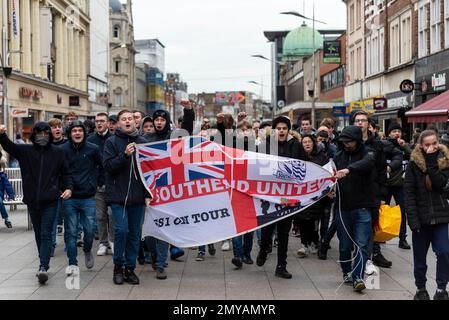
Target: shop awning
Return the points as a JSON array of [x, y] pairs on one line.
[[434, 110]]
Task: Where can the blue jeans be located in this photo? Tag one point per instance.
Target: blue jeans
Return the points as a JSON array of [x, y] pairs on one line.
[[43, 220], [78, 211], [127, 234], [243, 245], [58, 218], [438, 236], [162, 253], [358, 224], [3, 211], [398, 194]]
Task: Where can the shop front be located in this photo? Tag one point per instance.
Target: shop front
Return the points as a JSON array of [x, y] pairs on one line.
[[32, 100]]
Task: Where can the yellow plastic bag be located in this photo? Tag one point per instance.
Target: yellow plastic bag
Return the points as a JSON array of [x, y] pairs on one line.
[[389, 225]]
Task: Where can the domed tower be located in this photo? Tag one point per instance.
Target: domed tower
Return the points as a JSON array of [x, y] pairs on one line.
[[299, 43]]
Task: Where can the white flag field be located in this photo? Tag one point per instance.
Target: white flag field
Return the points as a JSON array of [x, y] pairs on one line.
[[205, 193]]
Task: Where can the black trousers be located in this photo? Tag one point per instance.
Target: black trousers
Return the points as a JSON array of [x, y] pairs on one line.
[[283, 232]]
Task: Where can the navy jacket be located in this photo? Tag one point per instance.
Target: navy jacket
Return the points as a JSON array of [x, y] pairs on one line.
[[117, 166], [86, 164], [100, 140], [44, 170]]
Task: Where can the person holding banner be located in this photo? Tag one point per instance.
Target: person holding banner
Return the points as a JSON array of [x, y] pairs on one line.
[[127, 196], [355, 201], [426, 188], [289, 147]]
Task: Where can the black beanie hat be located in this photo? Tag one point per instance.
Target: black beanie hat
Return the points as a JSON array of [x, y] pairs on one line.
[[394, 126], [282, 119]]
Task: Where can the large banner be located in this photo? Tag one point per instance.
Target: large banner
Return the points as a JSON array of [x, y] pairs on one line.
[[205, 193]]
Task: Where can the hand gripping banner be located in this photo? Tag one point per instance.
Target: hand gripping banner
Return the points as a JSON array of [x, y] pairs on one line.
[[204, 192]]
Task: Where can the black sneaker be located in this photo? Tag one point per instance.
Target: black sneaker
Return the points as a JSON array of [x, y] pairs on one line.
[[8, 224], [380, 261], [161, 274], [270, 248], [130, 277], [80, 243], [212, 250], [247, 260], [322, 251], [60, 229], [237, 262], [359, 285], [261, 258], [441, 295], [141, 261], [403, 244], [422, 294], [281, 272], [118, 275], [42, 276]]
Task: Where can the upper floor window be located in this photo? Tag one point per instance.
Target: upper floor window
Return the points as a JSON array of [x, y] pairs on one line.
[[116, 32]]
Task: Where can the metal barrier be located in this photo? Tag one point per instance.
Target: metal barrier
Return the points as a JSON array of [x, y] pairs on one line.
[[15, 177]]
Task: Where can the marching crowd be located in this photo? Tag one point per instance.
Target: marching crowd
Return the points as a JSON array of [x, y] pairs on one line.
[[80, 179]]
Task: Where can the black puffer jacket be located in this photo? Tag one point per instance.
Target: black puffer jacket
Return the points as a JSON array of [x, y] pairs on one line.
[[100, 140], [356, 191], [117, 166], [45, 170], [396, 177], [426, 188]]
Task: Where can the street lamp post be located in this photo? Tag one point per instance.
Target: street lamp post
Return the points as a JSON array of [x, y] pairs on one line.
[[294, 13]]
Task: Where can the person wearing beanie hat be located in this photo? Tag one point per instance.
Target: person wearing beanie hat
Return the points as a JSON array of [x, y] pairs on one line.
[[163, 132], [46, 178], [86, 163], [287, 147], [395, 182], [113, 124]]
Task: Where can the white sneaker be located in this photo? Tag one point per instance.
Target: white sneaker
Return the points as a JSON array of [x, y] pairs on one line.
[[303, 252], [111, 244], [226, 246], [314, 249], [102, 250], [370, 268], [72, 271]]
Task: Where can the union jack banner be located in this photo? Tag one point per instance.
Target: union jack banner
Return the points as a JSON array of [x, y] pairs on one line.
[[204, 192]]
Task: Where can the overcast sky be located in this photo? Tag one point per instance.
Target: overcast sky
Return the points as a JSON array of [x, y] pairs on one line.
[[209, 42]]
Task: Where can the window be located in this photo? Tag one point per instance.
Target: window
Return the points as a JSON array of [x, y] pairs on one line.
[[352, 66], [422, 31], [375, 52], [118, 100], [382, 50], [116, 32], [333, 79], [435, 26], [359, 63], [358, 13], [395, 53], [446, 23], [369, 56], [351, 18], [406, 38], [117, 67]]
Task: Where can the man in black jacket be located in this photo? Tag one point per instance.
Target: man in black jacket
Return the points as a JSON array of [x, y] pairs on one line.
[[104, 220], [289, 147], [355, 201], [44, 170], [85, 161], [426, 189], [127, 195]]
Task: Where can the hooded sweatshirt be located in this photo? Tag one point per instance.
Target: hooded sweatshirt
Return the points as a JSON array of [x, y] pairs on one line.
[[356, 190], [166, 132], [44, 169]]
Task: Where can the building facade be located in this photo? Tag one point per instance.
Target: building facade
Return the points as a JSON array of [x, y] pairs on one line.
[[46, 43], [122, 74], [99, 56]]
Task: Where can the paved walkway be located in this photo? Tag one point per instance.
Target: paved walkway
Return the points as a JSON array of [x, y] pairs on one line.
[[213, 279]]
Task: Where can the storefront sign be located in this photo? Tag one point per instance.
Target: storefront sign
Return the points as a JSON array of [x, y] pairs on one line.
[[19, 112], [15, 18], [380, 104], [439, 82], [407, 86], [30, 93], [339, 112], [332, 52]]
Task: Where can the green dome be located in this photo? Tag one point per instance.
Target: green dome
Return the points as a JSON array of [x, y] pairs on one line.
[[299, 43]]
